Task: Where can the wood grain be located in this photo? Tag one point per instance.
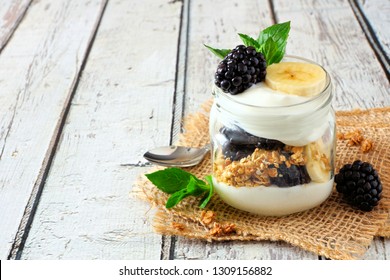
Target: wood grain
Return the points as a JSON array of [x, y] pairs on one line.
[[331, 36], [147, 68], [11, 13], [38, 71], [211, 26], [239, 250], [216, 27], [123, 105], [379, 249], [377, 13]]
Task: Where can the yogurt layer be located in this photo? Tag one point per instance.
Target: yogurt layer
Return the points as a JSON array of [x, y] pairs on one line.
[[264, 112], [274, 200], [262, 95]]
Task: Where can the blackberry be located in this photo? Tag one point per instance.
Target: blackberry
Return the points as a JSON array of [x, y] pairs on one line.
[[238, 136], [360, 185], [290, 176], [241, 68], [237, 152], [269, 144]]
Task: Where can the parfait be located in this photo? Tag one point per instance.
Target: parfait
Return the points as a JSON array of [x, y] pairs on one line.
[[272, 127]]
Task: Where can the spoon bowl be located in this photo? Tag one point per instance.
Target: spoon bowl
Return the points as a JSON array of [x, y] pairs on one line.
[[177, 156]]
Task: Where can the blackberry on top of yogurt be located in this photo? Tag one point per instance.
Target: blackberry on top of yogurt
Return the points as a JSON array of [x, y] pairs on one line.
[[240, 69]]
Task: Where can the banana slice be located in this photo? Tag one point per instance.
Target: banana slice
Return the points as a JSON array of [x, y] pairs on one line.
[[317, 162], [304, 79]]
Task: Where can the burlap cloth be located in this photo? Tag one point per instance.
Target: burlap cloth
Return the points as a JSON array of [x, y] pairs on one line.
[[333, 229]]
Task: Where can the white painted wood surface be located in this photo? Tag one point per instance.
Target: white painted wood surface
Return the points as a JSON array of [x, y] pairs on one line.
[[330, 34], [146, 69], [11, 13], [122, 105], [38, 70], [377, 13]]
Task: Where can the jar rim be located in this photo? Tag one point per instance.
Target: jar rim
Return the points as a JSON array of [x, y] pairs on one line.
[[219, 92]]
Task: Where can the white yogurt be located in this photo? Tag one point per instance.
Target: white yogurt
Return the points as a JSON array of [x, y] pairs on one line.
[[261, 95], [274, 200], [263, 112]]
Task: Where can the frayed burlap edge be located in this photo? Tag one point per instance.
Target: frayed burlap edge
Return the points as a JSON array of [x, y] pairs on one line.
[[333, 229]]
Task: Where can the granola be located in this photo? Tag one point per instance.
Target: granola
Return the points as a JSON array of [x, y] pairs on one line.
[[178, 226], [207, 217], [266, 168], [366, 146], [223, 229], [260, 167], [356, 138]]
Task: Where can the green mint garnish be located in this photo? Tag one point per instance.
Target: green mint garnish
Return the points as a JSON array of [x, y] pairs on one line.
[[221, 53], [271, 42], [278, 32], [249, 41], [271, 52], [181, 184], [209, 194]]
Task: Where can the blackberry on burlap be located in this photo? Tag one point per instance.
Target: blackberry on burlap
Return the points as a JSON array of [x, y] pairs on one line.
[[360, 185], [241, 68]]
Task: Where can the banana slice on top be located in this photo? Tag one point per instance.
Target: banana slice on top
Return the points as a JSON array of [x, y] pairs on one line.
[[318, 161], [299, 78]]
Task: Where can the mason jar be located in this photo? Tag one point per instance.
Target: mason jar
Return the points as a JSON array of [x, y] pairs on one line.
[[273, 160]]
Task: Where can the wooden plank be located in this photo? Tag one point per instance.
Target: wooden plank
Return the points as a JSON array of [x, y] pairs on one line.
[[218, 30], [331, 37], [38, 71], [238, 250], [376, 21], [328, 33], [11, 13], [207, 26], [379, 249], [123, 105]]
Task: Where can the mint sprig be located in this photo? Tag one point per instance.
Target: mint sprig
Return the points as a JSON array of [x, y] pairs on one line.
[[181, 184], [271, 42]]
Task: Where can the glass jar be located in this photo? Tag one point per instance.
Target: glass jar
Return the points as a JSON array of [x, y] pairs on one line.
[[273, 160]]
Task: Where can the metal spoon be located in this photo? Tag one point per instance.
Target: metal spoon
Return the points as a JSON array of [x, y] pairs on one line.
[[177, 155]]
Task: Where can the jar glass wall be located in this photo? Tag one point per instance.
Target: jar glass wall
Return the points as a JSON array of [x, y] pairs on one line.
[[273, 160]]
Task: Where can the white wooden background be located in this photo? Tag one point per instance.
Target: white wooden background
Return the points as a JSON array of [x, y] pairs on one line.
[[86, 87]]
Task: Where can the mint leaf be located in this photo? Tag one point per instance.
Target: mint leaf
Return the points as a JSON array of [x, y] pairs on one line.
[[191, 189], [181, 184], [196, 188], [208, 195], [249, 41], [278, 32], [221, 53], [175, 198], [170, 180], [273, 41], [271, 51]]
